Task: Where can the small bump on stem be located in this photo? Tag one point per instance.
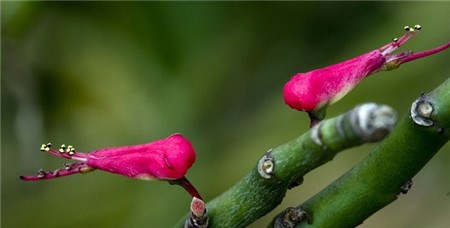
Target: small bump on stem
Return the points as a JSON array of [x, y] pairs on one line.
[[198, 218], [291, 217], [406, 186], [198, 207], [373, 122], [266, 165], [316, 136], [421, 111], [296, 183]]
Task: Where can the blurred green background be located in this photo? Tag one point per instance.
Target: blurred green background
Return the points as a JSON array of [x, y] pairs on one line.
[[102, 74]]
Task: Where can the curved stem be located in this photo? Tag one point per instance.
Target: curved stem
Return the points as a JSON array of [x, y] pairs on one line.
[[263, 188], [378, 179]]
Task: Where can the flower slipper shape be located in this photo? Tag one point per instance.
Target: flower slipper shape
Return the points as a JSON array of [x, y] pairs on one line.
[[164, 159], [315, 90]]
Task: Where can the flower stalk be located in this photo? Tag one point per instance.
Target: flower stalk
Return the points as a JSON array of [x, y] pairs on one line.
[[186, 184]]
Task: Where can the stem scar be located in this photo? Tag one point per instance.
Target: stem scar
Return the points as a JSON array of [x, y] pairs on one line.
[[266, 165]]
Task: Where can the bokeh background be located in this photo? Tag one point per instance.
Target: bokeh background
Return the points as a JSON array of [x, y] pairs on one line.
[[102, 74]]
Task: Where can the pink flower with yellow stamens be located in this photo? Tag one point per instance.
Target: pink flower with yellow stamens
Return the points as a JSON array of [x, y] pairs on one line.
[[164, 159], [315, 90]]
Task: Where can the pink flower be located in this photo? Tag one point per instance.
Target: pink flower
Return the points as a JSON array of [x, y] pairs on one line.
[[164, 159], [315, 90]]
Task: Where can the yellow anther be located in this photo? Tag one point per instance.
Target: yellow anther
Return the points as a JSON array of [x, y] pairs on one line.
[[418, 27], [395, 39], [407, 28]]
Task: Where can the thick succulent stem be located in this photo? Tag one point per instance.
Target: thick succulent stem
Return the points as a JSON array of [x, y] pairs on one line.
[[263, 188], [386, 172]]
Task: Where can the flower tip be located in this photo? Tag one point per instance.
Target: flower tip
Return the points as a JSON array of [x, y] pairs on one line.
[[176, 135], [29, 178], [198, 207], [298, 93]]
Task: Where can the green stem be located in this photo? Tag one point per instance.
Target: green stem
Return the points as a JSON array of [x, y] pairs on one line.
[[376, 181], [264, 187]]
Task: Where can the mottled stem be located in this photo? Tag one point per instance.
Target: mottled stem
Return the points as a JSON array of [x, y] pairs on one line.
[[263, 188], [386, 172]]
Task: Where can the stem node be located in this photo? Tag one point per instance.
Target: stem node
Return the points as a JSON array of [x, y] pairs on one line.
[[266, 165], [421, 111], [291, 217]]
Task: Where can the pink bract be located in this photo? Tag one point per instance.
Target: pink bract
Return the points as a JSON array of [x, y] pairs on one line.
[[168, 158], [314, 90], [308, 91], [164, 159]]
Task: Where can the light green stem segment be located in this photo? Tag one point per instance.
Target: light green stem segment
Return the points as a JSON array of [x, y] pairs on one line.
[[256, 195], [376, 181]]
